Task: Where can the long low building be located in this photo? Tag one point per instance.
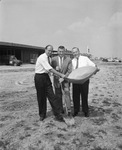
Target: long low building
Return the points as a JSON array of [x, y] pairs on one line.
[[25, 53]]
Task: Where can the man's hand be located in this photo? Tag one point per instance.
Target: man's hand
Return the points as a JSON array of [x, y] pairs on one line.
[[61, 80], [97, 70], [57, 68], [63, 76]]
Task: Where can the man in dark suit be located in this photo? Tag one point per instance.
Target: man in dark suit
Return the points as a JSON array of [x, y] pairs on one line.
[[63, 64]]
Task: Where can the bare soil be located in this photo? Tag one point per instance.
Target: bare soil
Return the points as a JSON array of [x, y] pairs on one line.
[[20, 128]]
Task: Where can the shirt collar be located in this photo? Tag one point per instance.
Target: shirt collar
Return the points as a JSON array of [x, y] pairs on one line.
[[45, 54]]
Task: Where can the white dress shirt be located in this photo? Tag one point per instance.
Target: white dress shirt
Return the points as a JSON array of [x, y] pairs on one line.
[[42, 65], [82, 62]]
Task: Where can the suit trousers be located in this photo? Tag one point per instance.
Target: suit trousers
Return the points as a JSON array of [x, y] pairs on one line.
[[44, 90], [66, 95], [81, 90], [58, 93]]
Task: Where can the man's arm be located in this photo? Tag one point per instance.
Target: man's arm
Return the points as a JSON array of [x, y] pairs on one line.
[[69, 68], [91, 63], [49, 68], [57, 73]]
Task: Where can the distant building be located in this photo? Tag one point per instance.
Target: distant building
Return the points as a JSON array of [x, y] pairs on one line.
[[88, 50], [25, 53], [67, 52]]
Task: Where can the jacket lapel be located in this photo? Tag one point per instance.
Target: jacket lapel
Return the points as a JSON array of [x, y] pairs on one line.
[[57, 61]]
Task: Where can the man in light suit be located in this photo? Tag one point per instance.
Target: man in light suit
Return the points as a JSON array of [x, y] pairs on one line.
[[63, 64]]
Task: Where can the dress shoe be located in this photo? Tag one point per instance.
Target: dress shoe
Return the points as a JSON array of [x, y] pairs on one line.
[[59, 118], [86, 114], [62, 111], [42, 118], [75, 114], [69, 114]]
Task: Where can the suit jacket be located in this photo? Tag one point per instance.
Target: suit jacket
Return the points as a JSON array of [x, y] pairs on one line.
[[65, 69]]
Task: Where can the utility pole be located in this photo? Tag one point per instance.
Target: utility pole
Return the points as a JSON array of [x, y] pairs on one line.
[[88, 50]]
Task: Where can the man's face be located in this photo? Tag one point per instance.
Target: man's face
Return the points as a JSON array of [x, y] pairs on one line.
[[75, 52], [49, 50], [61, 52]]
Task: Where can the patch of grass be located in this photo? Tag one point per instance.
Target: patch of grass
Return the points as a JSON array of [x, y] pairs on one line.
[[88, 135], [20, 124], [106, 103], [28, 128], [22, 137], [115, 117], [102, 131], [57, 147], [60, 135], [61, 143], [35, 148], [99, 148], [120, 146], [50, 124], [115, 104], [118, 127], [99, 121], [62, 129], [2, 145], [36, 124], [1, 125], [15, 106], [108, 111], [4, 118]]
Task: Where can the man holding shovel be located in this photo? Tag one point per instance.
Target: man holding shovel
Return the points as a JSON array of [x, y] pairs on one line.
[[63, 64]]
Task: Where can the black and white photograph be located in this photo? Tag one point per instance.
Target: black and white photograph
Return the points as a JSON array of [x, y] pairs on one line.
[[60, 75]]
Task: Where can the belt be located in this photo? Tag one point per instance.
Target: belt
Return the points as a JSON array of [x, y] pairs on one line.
[[41, 73]]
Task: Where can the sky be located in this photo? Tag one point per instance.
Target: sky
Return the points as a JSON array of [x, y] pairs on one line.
[[93, 24]]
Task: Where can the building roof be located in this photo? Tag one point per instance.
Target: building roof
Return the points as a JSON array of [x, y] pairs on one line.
[[19, 45]]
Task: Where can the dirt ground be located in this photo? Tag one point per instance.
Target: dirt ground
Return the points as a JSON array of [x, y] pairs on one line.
[[20, 128]]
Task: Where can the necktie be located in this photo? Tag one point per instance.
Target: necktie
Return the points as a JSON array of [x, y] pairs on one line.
[[61, 62], [49, 60], [76, 63]]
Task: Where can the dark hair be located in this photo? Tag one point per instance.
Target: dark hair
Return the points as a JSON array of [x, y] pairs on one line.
[[61, 47], [48, 46], [76, 48]]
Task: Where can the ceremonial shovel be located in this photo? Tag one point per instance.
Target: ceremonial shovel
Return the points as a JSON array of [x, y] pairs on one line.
[[69, 121]]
